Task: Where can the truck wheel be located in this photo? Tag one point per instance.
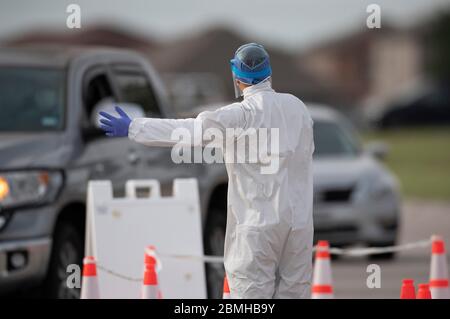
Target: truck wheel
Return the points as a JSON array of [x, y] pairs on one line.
[[214, 244], [67, 249]]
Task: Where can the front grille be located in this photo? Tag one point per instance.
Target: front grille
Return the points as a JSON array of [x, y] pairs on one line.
[[333, 195]]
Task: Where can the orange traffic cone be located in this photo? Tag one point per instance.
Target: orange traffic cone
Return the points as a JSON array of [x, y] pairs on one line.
[[439, 273], [226, 289], [150, 284], [89, 285], [322, 287], [150, 288], [424, 292], [408, 291]]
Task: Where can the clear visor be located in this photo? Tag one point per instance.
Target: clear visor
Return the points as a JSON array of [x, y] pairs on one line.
[[237, 90]]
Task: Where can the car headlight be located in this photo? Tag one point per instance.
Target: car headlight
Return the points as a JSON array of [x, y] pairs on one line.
[[377, 186], [23, 188], [380, 190], [383, 186]]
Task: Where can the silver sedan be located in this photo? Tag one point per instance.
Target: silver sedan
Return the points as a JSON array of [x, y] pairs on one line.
[[356, 198]]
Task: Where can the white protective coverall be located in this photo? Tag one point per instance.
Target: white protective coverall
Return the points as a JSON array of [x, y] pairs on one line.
[[269, 235]]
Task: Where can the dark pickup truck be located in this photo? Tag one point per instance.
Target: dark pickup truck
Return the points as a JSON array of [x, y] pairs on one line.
[[51, 146]]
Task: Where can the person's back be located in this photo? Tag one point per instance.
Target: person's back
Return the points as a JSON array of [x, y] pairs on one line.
[[288, 125], [270, 202]]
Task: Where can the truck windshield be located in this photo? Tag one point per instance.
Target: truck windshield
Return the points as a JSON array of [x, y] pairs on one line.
[[331, 139], [31, 99]]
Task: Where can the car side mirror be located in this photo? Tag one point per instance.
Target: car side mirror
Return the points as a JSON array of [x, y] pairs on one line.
[[378, 150], [133, 110]]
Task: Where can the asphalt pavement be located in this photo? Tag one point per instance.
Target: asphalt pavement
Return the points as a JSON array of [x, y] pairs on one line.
[[420, 219]]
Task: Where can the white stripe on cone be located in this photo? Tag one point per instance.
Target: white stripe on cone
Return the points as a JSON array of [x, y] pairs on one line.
[[150, 292], [89, 284], [439, 284], [150, 288], [322, 287]]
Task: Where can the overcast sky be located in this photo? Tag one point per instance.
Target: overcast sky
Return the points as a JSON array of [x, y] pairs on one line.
[[290, 24]]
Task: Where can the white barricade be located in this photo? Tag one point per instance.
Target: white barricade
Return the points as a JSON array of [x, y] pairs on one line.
[[119, 229]]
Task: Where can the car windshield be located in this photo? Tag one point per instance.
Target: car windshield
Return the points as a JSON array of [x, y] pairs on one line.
[[332, 139], [31, 99]]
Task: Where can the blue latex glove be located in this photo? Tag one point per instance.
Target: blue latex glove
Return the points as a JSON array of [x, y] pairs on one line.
[[114, 126]]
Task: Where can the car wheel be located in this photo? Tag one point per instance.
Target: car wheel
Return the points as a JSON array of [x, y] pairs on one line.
[[67, 249], [214, 245]]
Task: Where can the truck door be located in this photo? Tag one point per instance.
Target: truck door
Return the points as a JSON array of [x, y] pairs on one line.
[[154, 162], [108, 158]]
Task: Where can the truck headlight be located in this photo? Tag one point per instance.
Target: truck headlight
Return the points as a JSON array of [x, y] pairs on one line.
[[33, 187]]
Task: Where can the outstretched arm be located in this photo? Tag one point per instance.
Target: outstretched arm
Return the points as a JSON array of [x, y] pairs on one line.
[[158, 132]]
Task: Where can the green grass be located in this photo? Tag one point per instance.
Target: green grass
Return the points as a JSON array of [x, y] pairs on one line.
[[420, 157]]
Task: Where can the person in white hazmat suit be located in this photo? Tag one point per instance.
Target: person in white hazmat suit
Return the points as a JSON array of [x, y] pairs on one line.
[[269, 235]]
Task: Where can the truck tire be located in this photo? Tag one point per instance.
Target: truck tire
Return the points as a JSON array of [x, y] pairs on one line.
[[214, 244], [67, 249]]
